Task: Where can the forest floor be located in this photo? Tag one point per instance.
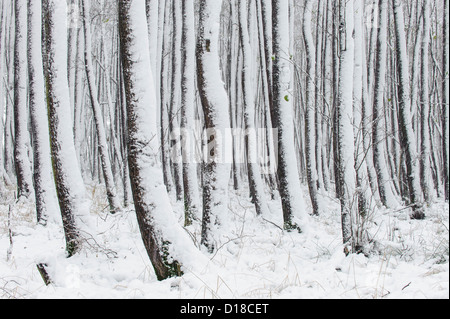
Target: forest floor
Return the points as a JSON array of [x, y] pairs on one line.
[[409, 258]]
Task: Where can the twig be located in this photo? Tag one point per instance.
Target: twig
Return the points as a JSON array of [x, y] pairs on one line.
[[406, 286]]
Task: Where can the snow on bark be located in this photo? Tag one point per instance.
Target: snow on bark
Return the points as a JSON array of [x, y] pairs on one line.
[[111, 193], [215, 102], [44, 185], [407, 136], [366, 204], [152, 10], [310, 136], [446, 98], [347, 174], [254, 172], [174, 105], [294, 208], [385, 187], [22, 137], [70, 188], [425, 148], [170, 249], [192, 203]]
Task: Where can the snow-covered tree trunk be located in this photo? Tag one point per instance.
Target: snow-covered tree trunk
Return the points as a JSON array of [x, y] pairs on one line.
[[344, 112], [365, 201], [407, 137], [22, 136], [69, 182], [152, 10], [446, 98], [288, 176], [167, 244], [174, 105], [165, 98], [192, 203], [111, 193], [44, 185], [78, 94], [310, 136], [425, 169], [385, 187], [254, 172], [215, 103]]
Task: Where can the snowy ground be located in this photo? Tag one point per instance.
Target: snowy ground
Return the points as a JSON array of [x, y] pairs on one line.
[[258, 261]]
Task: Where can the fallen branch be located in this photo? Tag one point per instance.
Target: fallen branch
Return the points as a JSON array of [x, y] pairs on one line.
[[44, 274]]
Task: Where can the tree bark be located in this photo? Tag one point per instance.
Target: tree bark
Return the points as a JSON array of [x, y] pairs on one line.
[[111, 193], [165, 241], [44, 186], [288, 175], [22, 137], [407, 137], [69, 182], [215, 103]]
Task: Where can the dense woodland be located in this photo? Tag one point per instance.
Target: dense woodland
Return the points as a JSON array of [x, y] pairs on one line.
[[164, 101]]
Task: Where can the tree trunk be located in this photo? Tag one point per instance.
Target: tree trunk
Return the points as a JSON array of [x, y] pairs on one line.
[[344, 112], [69, 183], [114, 205], [215, 105], [288, 175], [385, 187], [44, 186], [254, 172], [446, 99], [407, 137], [310, 136], [192, 204], [22, 137], [425, 169], [166, 243]]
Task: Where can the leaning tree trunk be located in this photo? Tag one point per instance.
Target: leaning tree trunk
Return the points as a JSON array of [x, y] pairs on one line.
[[69, 182], [22, 137], [215, 102], [44, 186], [283, 117], [167, 245]]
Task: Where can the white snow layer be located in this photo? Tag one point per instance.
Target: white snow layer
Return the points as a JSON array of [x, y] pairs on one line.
[[259, 260]]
